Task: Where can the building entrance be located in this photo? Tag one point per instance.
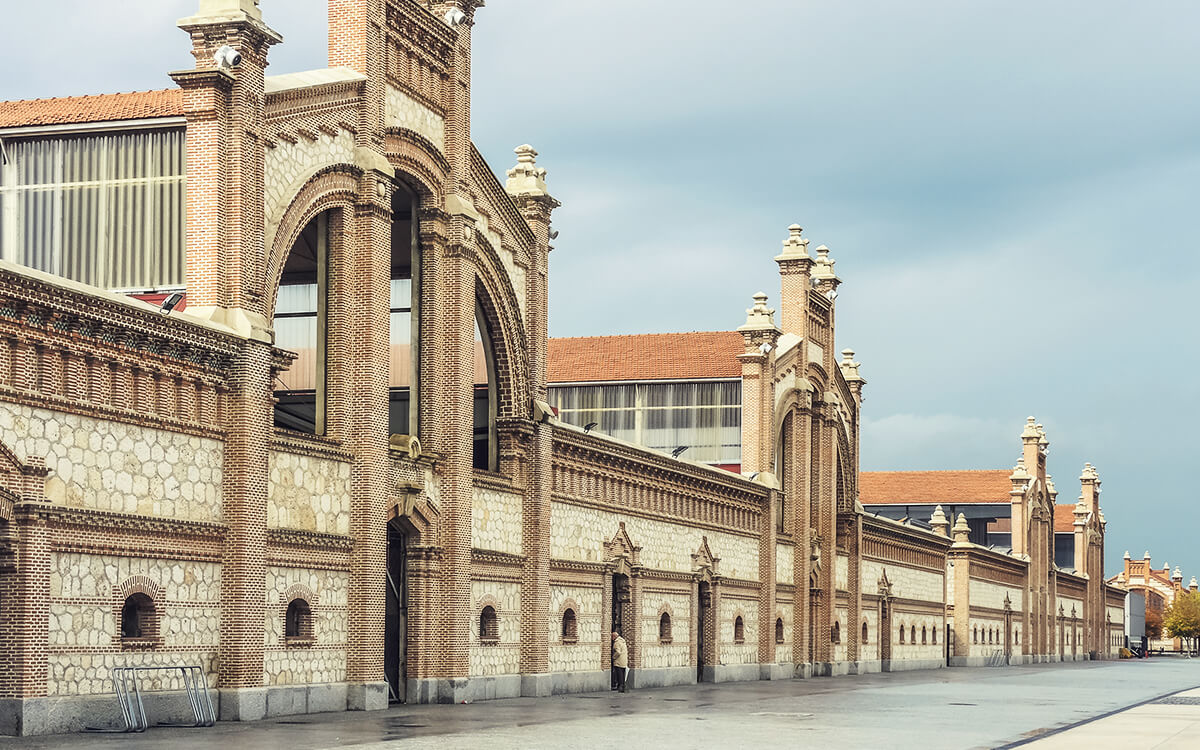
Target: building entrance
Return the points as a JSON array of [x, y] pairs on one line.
[[395, 650]]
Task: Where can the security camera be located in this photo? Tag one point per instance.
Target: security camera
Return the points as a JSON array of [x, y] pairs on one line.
[[455, 17], [227, 57]]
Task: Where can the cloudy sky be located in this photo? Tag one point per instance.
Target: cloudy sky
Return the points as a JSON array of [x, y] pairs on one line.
[[1005, 187]]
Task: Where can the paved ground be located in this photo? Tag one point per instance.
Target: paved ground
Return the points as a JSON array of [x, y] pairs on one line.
[[949, 708]]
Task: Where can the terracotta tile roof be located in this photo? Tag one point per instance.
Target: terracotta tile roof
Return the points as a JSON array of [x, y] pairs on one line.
[[1064, 521], [930, 487], [100, 108], [649, 356]]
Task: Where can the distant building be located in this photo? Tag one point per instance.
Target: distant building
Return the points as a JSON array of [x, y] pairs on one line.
[[1159, 586], [663, 390]]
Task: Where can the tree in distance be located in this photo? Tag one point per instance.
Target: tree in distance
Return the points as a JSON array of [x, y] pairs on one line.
[[1182, 619]]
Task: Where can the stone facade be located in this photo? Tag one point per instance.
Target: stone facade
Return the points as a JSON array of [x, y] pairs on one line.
[[151, 512]]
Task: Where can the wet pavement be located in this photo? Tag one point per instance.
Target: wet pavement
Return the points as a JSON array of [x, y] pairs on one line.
[[947, 708]]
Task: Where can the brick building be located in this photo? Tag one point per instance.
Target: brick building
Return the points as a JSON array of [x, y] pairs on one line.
[[1159, 586], [331, 476]]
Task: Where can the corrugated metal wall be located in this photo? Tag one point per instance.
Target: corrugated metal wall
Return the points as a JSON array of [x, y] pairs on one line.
[[102, 208]]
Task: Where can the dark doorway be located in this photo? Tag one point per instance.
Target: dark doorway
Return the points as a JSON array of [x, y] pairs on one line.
[[704, 628], [622, 613], [395, 651]]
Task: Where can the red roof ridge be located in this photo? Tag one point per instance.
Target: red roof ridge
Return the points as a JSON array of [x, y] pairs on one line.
[[937, 471], [90, 108], [643, 335], [87, 96]]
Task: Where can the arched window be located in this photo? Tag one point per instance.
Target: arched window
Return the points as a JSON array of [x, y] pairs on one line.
[[489, 626], [912, 635], [739, 630], [570, 628], [989, 633], [864, 633], [902, 634], [298, 621], [485, 451], [835, 633], [300, 325], [779, 630], [933, 632], [781, 471], [924, 636], [975, 634], [405, 293], [139, 620], [664, 628]]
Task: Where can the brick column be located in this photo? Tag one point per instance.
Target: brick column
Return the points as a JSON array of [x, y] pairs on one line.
[[766, 585], [27, 632], [248, 427], [363, 353], [526, 183]]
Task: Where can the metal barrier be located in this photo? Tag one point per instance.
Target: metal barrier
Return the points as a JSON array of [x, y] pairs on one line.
[[133, 709]]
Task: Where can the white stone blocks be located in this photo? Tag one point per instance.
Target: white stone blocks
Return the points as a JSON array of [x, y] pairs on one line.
[[402, 111], [114, 466], [579, 533], [784, 563], [907, 583], [496, 520], [308, 494]]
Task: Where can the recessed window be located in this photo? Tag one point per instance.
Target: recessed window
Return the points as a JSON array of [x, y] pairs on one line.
[[739, 630], [489, 626], [902, 634], [139, 619], [933, 634], [664, 628], [912, 635], [570, 627], [779, 630], [298, 621], [924, 636], [835, 633], [864, 633]]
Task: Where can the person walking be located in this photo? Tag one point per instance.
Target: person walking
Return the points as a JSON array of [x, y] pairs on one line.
[[620, 660]]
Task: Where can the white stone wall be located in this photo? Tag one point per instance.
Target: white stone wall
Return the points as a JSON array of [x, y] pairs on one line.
[[785, 562], [496, 520], [402, 111], [870, 649], [924, 647], [994, 625], [841, 573], [1067, 603], [907, 583], [585, 654], [676, 653], [783, 651], [290, 165], [747, 651], [579, 533], [114, 466], [991, 595], [503, 657], [307, 493], [85, 607], [325, 659], [839, 649]]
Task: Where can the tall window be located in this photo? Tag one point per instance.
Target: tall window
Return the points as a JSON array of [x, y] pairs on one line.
[[102, 208], [405, 301], [485, 454], [300, 327]]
